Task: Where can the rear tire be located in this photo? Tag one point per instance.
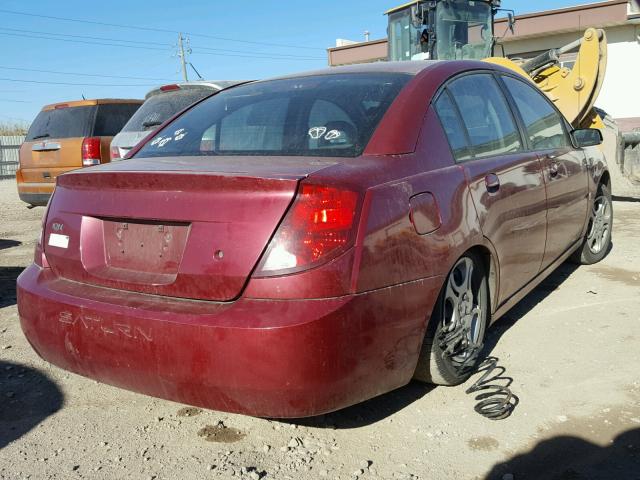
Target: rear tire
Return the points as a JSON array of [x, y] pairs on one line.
[[457, 327], [597, 239]]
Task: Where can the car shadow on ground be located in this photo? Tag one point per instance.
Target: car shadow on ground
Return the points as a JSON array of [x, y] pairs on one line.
[[383, 406], [8, 277], [524, 306], [7, 243], [28, 397], [568, 457], [370, 411]]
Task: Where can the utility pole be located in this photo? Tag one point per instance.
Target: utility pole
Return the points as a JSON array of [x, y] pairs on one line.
[[183, 60]]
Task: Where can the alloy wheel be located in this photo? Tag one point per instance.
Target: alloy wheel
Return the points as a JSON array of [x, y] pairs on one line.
[[600, 224], [461, 333]]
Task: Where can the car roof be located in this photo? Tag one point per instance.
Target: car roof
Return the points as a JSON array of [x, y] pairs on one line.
[[95, 101], [411, 68], [205, 84]]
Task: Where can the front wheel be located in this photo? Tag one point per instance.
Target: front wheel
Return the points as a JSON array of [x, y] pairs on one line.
[[597, 240], [456, 329]]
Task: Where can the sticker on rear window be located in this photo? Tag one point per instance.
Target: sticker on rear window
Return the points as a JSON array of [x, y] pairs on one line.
[[161, 141], [333, 134], [317, 132], [57, 240], [179, 134]]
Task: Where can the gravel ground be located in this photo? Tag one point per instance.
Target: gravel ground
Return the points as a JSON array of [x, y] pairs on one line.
[[571, 348]]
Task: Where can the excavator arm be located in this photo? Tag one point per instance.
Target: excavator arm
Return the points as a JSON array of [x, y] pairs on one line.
[[574, 91]]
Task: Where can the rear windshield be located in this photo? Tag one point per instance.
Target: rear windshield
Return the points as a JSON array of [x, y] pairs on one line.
[[104, 120], [62, 123], [162, 106], [112, 117], [327, 115]]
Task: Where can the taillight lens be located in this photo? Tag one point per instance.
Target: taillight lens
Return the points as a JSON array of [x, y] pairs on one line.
[[318, 227], [115, 153], [91, 151]]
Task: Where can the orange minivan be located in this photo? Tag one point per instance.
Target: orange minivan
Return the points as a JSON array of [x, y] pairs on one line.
[[66, 136]]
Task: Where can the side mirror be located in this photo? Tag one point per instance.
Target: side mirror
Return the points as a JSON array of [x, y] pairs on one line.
[[587, 137], [511, 21]]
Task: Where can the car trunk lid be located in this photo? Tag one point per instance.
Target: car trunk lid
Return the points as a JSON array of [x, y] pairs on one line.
[[41, 159], [183, 228]]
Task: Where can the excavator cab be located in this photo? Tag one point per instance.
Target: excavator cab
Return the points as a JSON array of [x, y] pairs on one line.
[[442, 30]]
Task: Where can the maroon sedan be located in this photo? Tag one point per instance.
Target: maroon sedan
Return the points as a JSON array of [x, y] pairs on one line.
[[293, 246]]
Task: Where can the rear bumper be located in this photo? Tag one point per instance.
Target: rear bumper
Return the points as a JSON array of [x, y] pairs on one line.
[[36, 199], [34, 193], [272, 358]]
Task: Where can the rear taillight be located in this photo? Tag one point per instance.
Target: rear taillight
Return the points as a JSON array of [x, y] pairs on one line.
[[115, 153], [91, 151], [319, 226], [169, 88]]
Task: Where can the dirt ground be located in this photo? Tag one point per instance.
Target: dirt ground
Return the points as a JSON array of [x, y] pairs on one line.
[[571, 348]]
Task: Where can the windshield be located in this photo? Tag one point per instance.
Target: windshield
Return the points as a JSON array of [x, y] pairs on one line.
[[62, 123], [158, 108], [464, 30], [327, 115]]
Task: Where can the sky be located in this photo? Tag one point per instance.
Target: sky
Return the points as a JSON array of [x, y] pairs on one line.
[[122, 49]]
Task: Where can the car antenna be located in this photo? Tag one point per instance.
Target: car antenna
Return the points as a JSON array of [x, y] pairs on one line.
[[83, 97], [197, 72]]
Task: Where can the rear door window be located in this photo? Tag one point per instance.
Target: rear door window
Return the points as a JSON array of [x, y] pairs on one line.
[[453, 127], [111, 117], [486, 115], [162, 106], [543, 124], [66, 122]]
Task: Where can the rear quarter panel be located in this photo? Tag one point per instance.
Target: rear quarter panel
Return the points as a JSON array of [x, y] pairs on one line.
[[392, 250]]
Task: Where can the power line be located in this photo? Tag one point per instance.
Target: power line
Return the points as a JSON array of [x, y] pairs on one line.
[[278, 56], [198, 51], [75, 84], [162, 30], [84, 74], [80, 41], [21, 30], [269, 57], [14, 101], [219, 51]]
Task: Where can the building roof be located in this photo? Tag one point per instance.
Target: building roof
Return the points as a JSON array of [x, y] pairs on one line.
[[564, 20]]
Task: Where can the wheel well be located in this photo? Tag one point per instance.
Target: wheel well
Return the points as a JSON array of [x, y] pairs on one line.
[[491, 268], [605, 179]]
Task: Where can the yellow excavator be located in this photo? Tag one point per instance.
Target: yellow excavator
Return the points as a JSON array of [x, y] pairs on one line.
[[465, 29]]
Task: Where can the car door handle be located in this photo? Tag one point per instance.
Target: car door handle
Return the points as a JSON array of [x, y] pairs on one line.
[[553, 170], [492, 182]]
